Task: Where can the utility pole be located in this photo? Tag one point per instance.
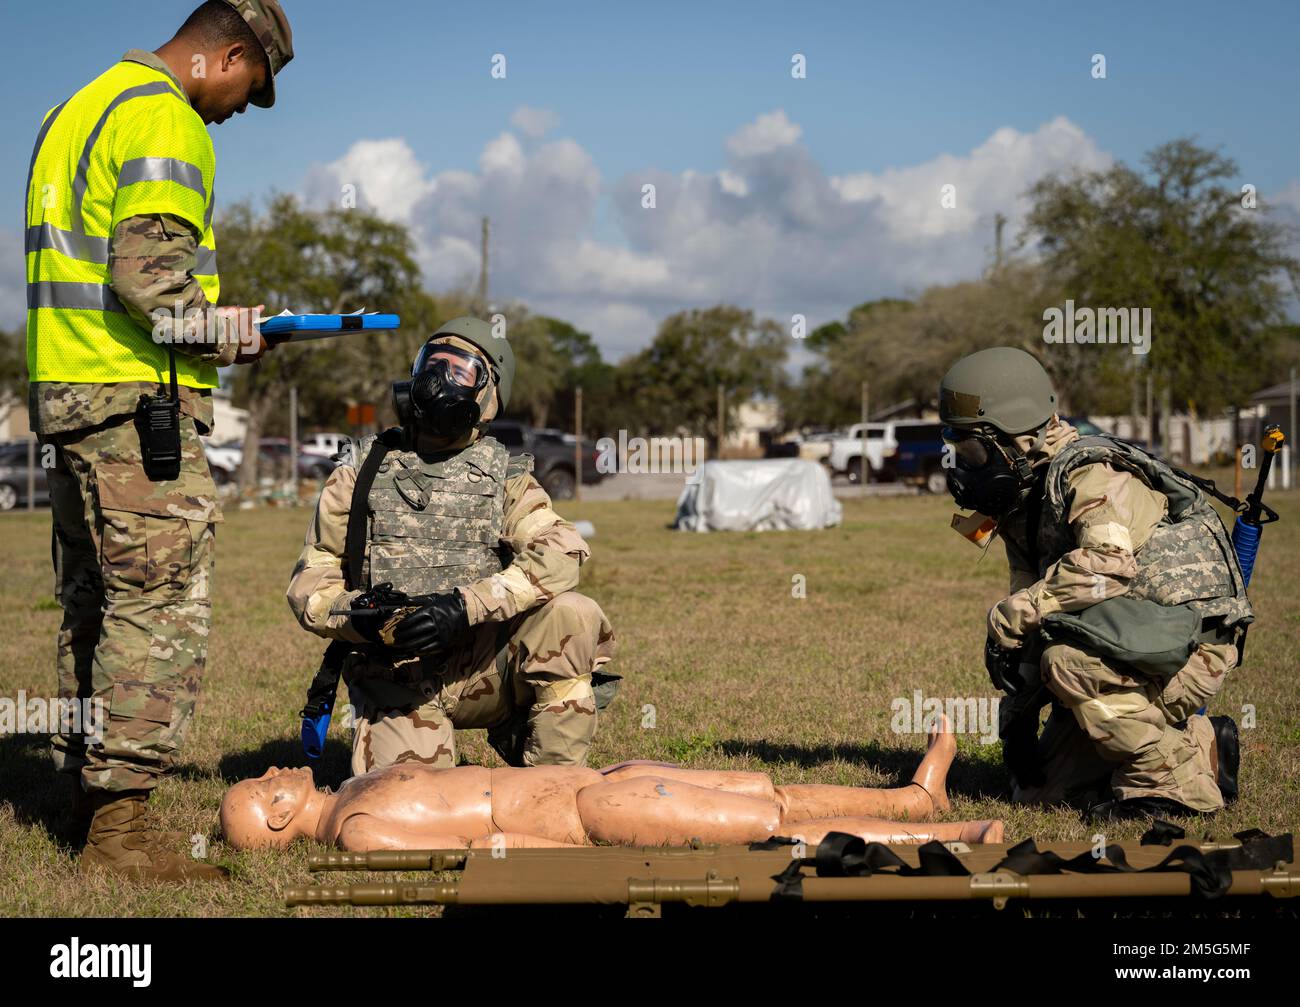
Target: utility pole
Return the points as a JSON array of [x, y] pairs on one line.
[[577, 447], [31, 465], [722, 417], [293, 439], [866, 468], [483, 271], [999, 222], [1291, 435]]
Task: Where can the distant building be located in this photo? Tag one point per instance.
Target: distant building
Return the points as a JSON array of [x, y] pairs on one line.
[[753, 426], [229, 423], [14, 423]]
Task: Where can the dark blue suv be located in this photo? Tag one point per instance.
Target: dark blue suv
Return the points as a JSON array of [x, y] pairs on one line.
[[919, 455]]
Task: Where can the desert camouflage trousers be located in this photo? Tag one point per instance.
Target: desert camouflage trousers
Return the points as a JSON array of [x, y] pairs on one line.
[[133, 566], [1116, 732], [527, 680]]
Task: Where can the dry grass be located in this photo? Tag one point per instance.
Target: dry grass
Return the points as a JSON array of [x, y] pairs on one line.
[[740, 675]]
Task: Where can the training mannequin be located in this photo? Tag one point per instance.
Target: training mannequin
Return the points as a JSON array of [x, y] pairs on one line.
[[410, 806]]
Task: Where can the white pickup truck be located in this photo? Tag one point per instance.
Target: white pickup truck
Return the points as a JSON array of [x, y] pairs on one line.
[[846, 452], [325, 444]]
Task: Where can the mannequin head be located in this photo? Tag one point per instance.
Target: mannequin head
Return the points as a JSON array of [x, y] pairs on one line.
[[270, 810]]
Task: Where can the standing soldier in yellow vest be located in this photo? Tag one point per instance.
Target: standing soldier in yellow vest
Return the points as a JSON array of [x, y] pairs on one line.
[[123, 344]]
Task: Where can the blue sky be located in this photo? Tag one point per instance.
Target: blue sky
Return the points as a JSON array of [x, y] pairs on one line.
[[655, 92]]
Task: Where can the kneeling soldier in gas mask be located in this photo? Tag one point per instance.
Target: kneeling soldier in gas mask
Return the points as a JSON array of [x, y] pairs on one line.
[[437, 565], [1127, 604]]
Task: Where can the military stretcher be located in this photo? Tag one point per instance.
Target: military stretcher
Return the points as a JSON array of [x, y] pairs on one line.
[[841, 869]]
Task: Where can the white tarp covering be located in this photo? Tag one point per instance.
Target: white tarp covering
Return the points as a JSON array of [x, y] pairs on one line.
[[773, 494]]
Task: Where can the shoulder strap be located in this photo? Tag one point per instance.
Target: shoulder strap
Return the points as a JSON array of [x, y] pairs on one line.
[[355, 543]]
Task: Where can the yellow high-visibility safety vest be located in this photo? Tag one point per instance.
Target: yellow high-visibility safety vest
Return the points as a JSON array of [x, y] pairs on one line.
[[127, 143]]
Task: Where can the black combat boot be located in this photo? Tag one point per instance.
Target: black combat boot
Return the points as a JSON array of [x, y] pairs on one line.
[[1226, 756], [1139, 807]]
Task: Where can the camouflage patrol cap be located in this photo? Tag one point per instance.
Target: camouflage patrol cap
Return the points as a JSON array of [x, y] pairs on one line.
[[266, 19], [1002, 387]]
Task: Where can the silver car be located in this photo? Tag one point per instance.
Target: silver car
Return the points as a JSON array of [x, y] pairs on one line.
[[13, 476]]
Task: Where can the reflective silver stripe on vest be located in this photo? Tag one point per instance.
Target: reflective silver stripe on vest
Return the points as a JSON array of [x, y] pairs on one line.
[[83, 165], [84, 296], [162, 169], [212, 202], [205, 262], [86, 247]]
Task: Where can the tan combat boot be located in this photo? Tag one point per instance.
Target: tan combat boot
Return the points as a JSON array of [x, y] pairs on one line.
[[124, 840]]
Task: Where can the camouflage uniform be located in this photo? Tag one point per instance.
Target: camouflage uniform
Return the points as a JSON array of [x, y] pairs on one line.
[[133, 558], [1104, 533], [525, 672]]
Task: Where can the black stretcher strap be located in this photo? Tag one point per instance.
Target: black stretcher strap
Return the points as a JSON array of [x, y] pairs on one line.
[[1161, 833], [841, 855]]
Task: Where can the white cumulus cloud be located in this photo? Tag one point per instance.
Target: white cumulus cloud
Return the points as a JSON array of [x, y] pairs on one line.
[[384, 176], [534, 123], [770, 230]]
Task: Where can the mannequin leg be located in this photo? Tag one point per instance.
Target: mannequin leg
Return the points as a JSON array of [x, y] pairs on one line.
[[879, 830], [923, 797]]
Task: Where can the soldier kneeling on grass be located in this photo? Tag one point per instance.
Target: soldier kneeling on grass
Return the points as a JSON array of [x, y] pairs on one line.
[[1127, 606], [459, 577]]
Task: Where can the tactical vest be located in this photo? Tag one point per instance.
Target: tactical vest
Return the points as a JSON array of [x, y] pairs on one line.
[[436, 525], [1189, 558]]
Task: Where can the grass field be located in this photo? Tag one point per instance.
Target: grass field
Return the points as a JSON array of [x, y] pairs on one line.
[[740, 674]]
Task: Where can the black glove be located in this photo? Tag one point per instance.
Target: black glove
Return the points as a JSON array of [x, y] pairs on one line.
[[435, 627], [379, 599], [1003, 666]]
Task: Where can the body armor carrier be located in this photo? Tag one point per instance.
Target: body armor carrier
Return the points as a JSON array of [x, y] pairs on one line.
[[1189, 558], [436, 525]]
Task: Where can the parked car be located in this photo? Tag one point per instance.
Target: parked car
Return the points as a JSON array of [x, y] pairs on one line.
[[552, 452], [226, 459], [13, 476], [815, 446], [325, 444], [918, 455], [845, 456], [273, 455]]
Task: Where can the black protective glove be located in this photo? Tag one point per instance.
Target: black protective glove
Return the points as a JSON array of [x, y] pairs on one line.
[[380, 600], [435, 627], [1003, 666]]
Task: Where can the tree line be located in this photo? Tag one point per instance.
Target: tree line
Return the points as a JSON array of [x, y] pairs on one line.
[[1175, 237]]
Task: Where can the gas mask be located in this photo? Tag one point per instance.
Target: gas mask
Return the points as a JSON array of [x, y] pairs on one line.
[[443, 399], [986, 475]]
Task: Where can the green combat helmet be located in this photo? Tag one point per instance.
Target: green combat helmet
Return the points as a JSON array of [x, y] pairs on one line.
[[1003, 387], [985, 401], [495, 348]]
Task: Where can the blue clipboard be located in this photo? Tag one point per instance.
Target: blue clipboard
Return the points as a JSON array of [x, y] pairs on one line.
[[299, 327]]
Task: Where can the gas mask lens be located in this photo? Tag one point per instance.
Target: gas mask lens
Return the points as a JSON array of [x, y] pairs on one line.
[[461, 367], [972, 451]]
